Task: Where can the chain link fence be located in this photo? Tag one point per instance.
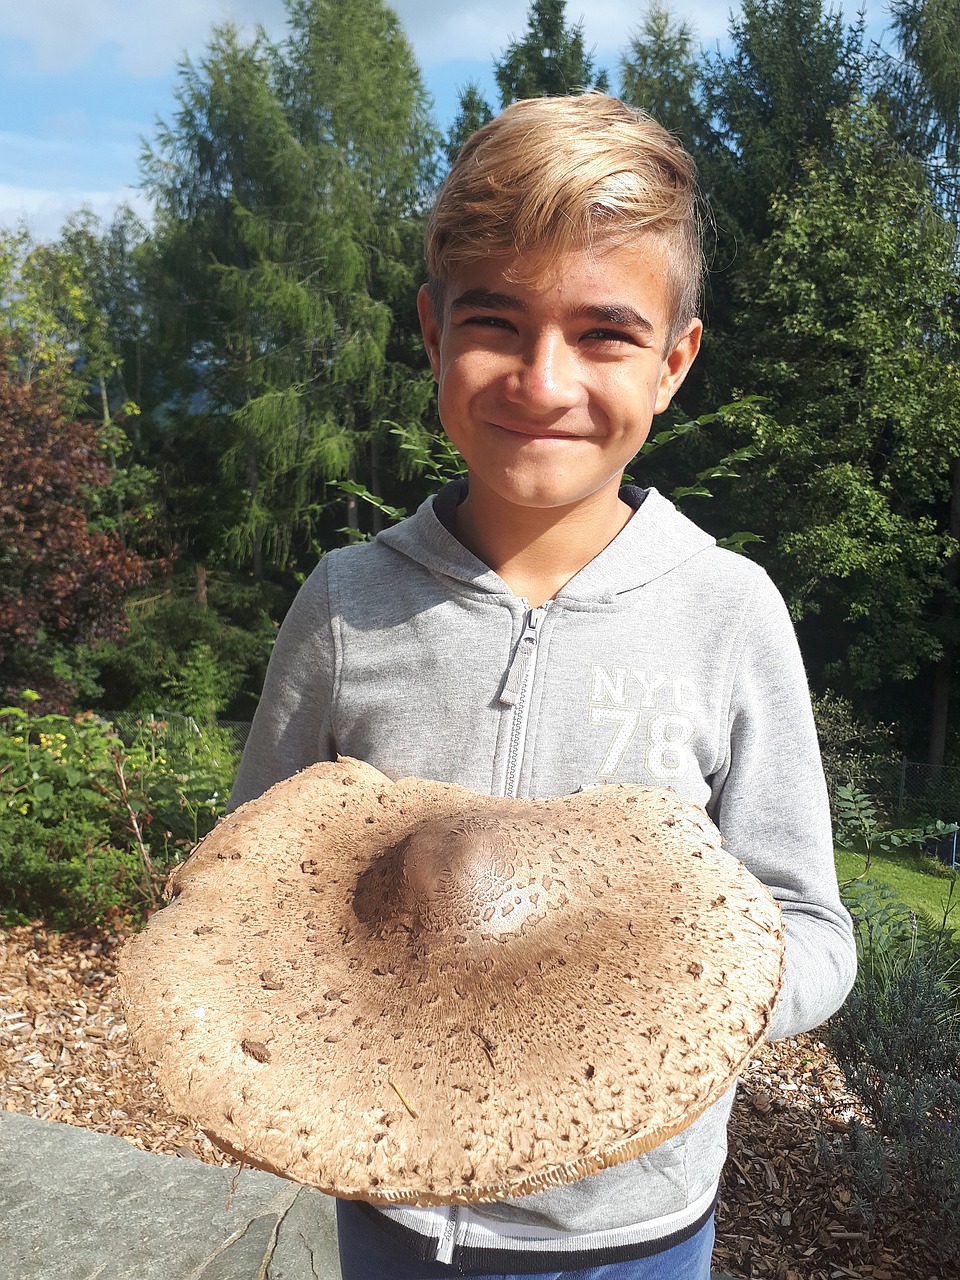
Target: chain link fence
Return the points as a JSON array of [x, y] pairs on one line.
[[171, 728], [927, 794]]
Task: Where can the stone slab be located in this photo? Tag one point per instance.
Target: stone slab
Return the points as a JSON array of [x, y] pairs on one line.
[[76, 1205]]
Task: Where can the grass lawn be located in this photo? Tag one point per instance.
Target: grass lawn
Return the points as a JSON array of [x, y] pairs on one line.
[[922, 883]]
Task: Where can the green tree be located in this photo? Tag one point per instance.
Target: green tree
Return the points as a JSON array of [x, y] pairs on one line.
[[772, 97], [473, 113], [288, 192], [767, 105], [550, 58], [860, 358], [238, 244], [46, 317], [347, 76], [114, 337], [660, 73], [111, 344], [60, 339], [922, 92], [921, 89]]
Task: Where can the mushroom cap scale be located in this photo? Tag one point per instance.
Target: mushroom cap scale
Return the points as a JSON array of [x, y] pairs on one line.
[[406, 992]]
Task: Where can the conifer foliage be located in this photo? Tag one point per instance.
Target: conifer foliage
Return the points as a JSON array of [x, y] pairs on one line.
[[288, 187], [550, 58]]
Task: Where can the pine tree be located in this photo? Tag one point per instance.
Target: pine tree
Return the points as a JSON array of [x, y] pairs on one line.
[[772, 97], [474, 112], [289, 190], [921, 89], [550, 59], [660, 73]]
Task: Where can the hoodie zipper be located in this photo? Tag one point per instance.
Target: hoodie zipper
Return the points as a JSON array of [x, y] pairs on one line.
[[516, 693], [448, 1237]]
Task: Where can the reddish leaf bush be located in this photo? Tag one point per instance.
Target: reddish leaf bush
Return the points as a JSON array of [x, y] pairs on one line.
[[62, 580]]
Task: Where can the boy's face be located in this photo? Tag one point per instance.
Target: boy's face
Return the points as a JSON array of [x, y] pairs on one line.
[[548, 389]]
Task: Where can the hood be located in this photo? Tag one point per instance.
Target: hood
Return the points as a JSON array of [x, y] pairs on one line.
[[655, 540]]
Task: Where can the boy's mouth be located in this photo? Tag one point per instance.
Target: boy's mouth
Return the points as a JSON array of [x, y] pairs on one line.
[[538, 433]]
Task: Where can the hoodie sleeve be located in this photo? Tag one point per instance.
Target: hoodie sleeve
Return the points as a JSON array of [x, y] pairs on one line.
[[770, 803], [293, 725]]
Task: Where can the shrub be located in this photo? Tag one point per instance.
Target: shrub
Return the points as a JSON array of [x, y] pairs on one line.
[[856, 752], [182, 654], [897, 1040], [64, 580], [859, 830], [90, 825]]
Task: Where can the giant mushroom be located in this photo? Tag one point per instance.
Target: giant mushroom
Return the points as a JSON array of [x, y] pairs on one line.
[[408, 993]]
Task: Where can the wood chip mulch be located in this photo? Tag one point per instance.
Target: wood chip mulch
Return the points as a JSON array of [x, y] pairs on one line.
[[785, 1211]]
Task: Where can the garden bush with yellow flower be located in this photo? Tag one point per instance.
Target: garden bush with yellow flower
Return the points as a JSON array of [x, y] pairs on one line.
[[91, 822]]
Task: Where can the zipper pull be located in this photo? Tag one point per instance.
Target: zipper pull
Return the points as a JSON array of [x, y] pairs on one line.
[[517, 671]]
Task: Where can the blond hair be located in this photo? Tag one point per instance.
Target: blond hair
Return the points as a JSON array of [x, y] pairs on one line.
[[549, 176]]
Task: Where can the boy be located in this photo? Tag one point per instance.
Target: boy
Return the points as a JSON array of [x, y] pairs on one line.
[[538, 629]]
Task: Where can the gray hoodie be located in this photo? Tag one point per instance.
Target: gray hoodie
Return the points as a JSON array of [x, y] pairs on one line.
[[666, 660]]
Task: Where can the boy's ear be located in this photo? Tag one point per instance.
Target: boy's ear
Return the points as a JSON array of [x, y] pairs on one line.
[[676, 364], [430, 328]]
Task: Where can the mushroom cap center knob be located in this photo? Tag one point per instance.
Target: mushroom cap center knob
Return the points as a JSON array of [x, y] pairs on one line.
[[463, 873], [454, 877]]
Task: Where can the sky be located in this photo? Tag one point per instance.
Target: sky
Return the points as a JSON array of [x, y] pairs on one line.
[[83, 82]]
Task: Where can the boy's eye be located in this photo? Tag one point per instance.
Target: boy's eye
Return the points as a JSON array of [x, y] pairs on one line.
[[488, 322], [610, 335]]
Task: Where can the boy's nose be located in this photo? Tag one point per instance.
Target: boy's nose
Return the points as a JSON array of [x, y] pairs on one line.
[[545, 376]]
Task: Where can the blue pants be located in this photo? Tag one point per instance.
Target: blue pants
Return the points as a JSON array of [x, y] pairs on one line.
[[369, 1253]]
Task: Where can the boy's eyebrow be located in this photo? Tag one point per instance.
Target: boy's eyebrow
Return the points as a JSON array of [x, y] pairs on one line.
[[615, 313], [618, 313], [489, 300]]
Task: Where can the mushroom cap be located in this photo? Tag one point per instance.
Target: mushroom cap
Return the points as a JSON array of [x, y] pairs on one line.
[[409, 993]]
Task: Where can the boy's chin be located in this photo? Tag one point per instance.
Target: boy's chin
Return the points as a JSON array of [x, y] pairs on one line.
[[547, 497]]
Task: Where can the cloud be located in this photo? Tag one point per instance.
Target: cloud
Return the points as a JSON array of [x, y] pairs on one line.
[[71, 143], [79, 163], [148, 39], [43, 211], [482, 28]]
